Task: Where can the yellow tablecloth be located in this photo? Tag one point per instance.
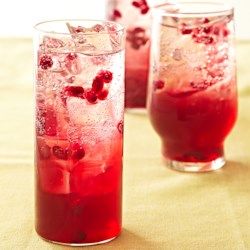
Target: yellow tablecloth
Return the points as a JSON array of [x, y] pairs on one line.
[[163, 209]]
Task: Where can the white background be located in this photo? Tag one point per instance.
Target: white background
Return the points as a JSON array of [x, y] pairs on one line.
[[17, 17]]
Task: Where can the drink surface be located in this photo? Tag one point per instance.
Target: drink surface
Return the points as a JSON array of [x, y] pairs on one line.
[[193, 96], [79, 135]]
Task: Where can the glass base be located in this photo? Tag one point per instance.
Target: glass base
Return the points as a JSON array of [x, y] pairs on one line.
[[196, 167], [79, 244], [137, 111]]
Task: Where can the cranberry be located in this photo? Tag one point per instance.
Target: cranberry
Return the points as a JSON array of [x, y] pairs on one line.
[[71, 56], [78, 152], [76, 91], [144, 10], [185, 30], [208, 40], [117, 14], [97, 84], [207, 30], [159, 84], [139, 30], [225, 32], [139, 41], [45, 62], [91, 96], [137, 37], [79, 29], [136, 4], [103, 94], [98, 28], [205, 20], [60, 153], [216, 31], [106, 76], [120, 127]]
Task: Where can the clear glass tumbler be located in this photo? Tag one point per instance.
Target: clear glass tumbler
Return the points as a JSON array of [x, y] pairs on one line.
[[79, 86], [135, 16], [192, 99]]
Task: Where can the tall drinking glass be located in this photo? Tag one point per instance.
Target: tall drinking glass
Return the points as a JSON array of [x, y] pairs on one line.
[[135, 16], [192, 94], [79, 83]]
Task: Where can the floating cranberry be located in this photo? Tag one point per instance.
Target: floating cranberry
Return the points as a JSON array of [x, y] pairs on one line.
[[46, 62], [142, 5], [225, 32], [78, 152], [97, 84], [186, 31], [71, 56], [76, 91], [137, 37], [79, 29], [98, 28], [208, 40], [136, 4], [120, 126], [117, 14], [139, 30], [159, 84], [216, 31], [103, 94], [206, 20], [144, 10], [138, 42], [106, 76], [207, 30], [60, 153], [91, 96]]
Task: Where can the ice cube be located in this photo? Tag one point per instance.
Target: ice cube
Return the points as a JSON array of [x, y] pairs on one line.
[[94, 38], [100, 41], [99, 171], [73, 64], [83, 178], [89, 177], [53, 178], [52, 43], [114, 36]]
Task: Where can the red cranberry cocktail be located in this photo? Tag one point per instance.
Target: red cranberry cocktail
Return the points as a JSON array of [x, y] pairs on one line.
[[193, 96], [135, 16], [79, 131]]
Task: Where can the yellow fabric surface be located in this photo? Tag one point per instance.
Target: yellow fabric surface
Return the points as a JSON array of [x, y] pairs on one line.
[[162, 209]]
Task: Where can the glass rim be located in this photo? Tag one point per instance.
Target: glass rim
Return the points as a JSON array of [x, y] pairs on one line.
[[37, 27], [225, 8]]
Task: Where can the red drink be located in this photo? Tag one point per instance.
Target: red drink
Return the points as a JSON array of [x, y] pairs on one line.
[[136, 75], [135, 15], [79, 133], [193, 98]]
